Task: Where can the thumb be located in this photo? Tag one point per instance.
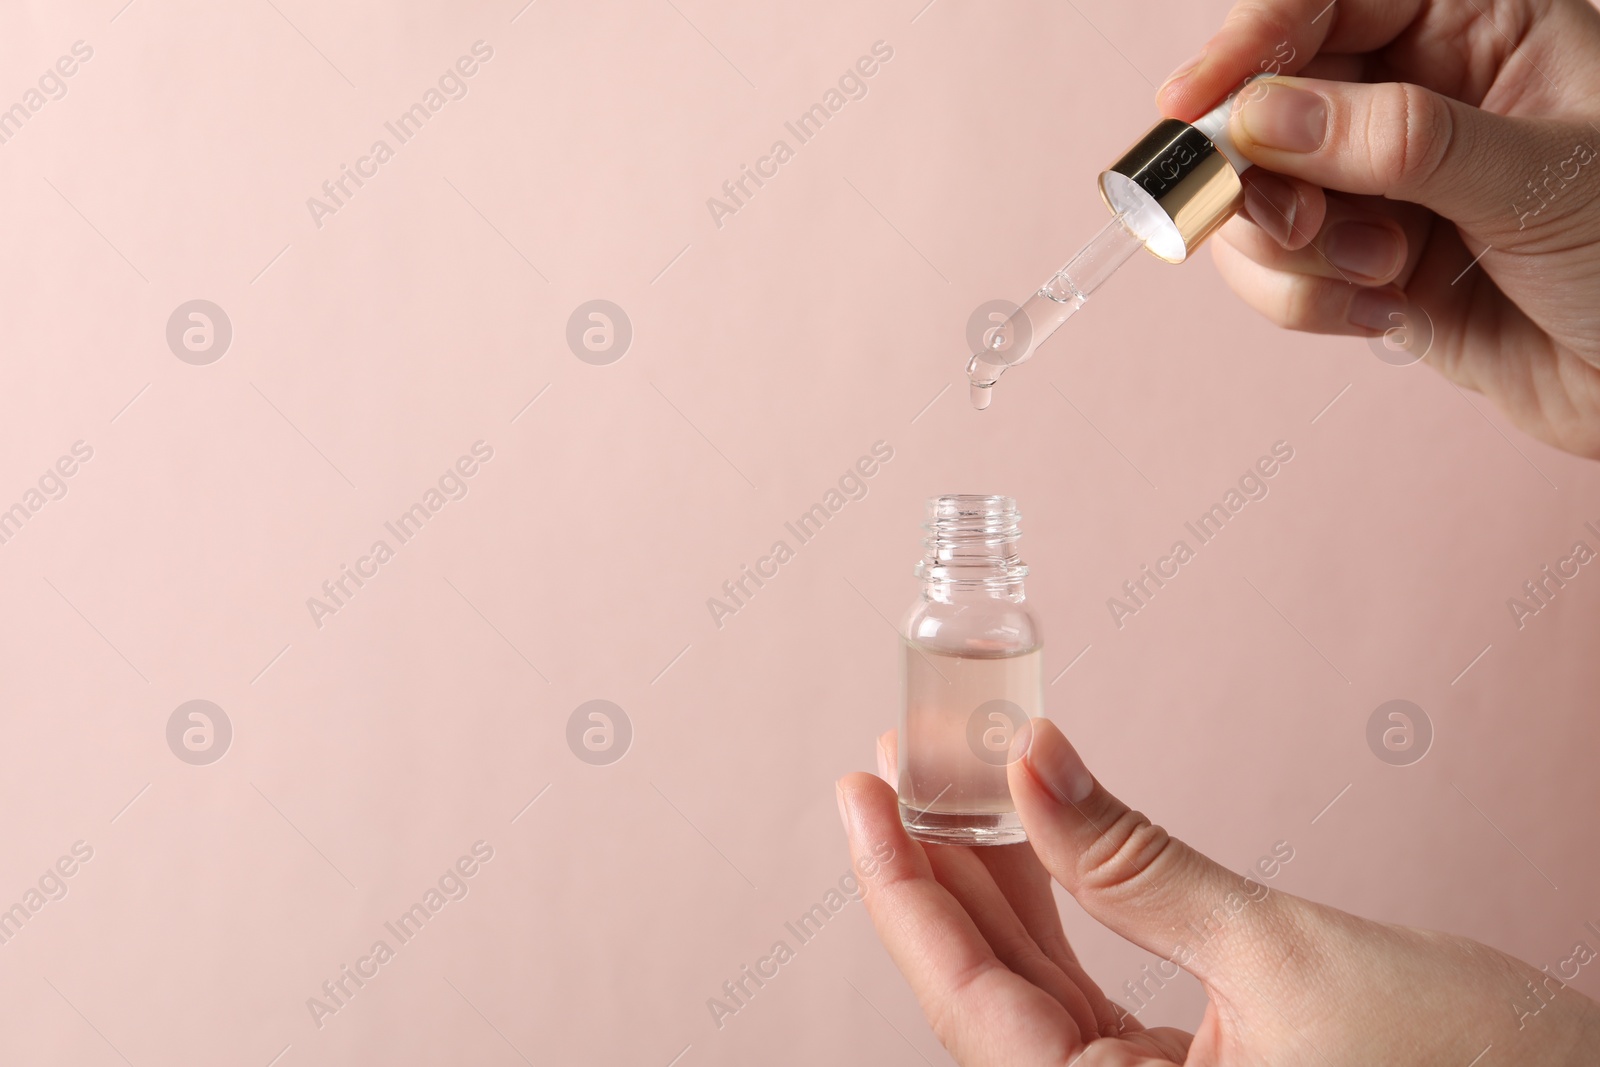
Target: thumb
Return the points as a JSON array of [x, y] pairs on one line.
[[1131, 875], [1476, 168]]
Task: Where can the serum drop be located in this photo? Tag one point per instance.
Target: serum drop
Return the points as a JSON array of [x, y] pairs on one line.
[[971, 675]]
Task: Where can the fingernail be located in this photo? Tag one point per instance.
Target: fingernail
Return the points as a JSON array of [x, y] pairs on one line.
[[1365, 249], [1183, 71], [1020, 743], [1057, 764], [844, 816], [883, 761], [1272, 204], [1377, 309], [1283, 117]]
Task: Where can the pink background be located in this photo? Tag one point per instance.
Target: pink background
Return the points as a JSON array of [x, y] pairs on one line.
[[768, 354]]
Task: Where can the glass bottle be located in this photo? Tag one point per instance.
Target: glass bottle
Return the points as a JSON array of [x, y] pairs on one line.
[[971, 674]]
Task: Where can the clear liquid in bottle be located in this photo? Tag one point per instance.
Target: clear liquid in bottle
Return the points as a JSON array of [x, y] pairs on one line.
[[961, 713]]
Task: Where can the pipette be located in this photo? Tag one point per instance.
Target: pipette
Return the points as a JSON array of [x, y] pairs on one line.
[[1168, 193]]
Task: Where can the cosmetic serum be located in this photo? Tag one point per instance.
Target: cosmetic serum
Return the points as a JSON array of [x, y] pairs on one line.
[[971, 675]]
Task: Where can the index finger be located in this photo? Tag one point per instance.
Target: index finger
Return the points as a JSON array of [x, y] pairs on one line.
[[1279, 37], [981, 1011], [1018, 873]]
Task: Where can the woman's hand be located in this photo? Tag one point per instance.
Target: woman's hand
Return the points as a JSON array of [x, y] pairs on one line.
[[1291, 983], [1420, 136]]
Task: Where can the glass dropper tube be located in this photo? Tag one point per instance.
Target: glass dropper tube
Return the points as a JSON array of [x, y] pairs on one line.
[[1168, 193], [1016, 339]]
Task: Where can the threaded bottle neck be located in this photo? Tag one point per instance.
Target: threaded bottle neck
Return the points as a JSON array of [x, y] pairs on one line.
[[971, 545]]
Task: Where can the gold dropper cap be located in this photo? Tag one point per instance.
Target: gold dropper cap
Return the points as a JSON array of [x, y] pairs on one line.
[[1181, 181], [1179, 172]]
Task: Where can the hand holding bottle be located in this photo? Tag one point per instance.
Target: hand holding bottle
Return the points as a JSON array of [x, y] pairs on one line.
[[1418, 136], [1292, 983]]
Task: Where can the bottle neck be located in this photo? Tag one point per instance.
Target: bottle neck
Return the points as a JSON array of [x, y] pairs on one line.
[[971, 549]]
